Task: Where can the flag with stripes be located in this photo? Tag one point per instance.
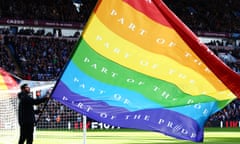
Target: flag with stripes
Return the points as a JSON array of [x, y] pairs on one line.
[[7, 82], [138, 66]]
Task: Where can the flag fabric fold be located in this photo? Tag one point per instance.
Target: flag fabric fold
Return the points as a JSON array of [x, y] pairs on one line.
[[138, 66], [7, 82]]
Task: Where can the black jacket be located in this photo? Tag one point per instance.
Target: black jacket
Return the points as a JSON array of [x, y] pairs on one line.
[[26, 113]]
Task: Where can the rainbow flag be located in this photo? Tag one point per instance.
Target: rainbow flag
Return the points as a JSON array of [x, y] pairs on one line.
[[138, 66], [7, 82]]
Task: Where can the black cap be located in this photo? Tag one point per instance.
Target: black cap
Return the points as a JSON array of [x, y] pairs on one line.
[[23, 86]]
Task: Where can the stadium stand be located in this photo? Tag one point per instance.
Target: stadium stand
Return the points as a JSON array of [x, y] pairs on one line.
[[40, 55], [56, 10], [208, 15]]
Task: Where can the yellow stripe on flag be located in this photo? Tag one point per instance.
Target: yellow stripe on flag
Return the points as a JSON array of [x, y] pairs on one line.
[[114, 47], [146, 33], [3, 86]]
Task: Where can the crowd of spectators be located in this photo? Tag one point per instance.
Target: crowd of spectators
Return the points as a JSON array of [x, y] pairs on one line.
[[5, 61], [42, 57], [199, 15], [230, 113], [57, 115], [208, 15], [55, 10], [228, 52]]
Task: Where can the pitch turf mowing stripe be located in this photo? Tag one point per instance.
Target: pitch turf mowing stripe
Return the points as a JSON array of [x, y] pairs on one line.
[[212, 136]]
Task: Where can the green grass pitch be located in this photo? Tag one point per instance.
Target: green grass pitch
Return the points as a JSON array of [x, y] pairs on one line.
[[212, 136], [121, 136]]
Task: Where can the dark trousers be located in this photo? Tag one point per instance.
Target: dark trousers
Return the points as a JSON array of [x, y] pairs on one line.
[[26, 133]]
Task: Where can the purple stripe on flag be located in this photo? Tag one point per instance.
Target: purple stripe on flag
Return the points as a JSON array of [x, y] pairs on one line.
[[159, 120]]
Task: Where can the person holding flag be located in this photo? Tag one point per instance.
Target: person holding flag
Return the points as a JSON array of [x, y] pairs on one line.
[[26, 113]]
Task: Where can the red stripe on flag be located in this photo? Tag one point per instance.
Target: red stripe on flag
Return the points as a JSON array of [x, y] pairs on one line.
[[150, 10], [8, 80], [222, 71]]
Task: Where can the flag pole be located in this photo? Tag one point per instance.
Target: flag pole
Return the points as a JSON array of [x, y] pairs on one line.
[[84, 129]]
